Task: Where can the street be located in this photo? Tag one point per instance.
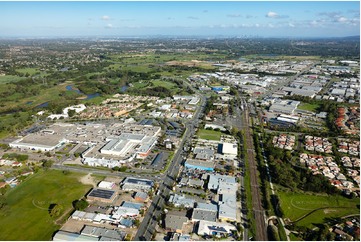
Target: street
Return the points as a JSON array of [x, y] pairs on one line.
[[147, 227]]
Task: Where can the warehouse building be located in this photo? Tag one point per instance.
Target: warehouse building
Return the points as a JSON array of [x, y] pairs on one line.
[[214, 228], [103, 234], [127, 144], [175, 223], [205, 211], [230, 150], [199, 165], [284, 106], [136, 184], [107, 185], [101, 195], [68, 236]]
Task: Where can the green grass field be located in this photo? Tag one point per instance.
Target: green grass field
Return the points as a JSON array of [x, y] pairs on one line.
[[10, 78], [26, 216], [308, 107], [209, 134], [166, 84], [30, 71], [296, 205]]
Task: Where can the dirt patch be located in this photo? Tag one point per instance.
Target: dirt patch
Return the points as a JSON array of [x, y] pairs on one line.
[[326, 211], [88, 180]]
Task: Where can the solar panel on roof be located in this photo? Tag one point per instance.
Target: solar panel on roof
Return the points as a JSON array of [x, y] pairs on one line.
[[101, 193]]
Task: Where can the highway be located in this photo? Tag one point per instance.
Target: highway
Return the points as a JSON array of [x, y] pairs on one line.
[[258, 211], [147, 227]]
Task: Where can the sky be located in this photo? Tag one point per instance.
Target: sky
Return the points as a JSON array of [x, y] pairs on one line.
[[187, 18]]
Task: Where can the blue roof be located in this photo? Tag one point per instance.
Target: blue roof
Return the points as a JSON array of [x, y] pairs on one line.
[[126, 222], [132, 205]]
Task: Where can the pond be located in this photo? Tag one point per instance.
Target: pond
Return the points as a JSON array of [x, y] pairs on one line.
[[43, 105], [89, 96]]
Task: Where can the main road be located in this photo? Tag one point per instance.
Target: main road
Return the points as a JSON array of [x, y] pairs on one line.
[[147, 227]]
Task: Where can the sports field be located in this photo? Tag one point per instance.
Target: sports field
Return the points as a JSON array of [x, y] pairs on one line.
[[209, 134], [26, 216], [309, 209], [309, 107]]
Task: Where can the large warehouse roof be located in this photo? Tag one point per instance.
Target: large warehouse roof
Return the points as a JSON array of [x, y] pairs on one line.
[[229, 148]]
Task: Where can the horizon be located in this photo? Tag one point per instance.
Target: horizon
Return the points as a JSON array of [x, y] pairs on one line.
[[287, 19]]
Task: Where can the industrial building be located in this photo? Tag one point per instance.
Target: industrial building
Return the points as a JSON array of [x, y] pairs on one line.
[[101, 195], [68, 236], [230, 149], [205, 211], [136, 184], [284, 106], [214, 228], [175, 223], [44, 140], [107, 185], [103, 233], [199, 165], [127, 144], [178, 201]]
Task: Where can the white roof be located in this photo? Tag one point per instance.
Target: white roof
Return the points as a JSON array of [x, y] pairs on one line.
[[106, 185], [229, 148]]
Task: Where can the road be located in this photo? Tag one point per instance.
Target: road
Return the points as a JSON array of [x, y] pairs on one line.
[[258, 211], [147, 227]]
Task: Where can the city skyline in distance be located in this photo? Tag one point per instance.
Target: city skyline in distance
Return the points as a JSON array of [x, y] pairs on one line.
[[206, 18]]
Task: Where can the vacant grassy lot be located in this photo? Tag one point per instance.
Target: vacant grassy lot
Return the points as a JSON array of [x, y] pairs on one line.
[[296, 205], [308, 107], [26, 215], [209, 134]]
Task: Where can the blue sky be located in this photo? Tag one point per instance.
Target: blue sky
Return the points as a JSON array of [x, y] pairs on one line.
[[206, 18]]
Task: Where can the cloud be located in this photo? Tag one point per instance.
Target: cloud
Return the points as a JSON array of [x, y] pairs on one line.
[[234, 15], [105, 17], [271, 15], [275, 15], [342, 20], [109, 26], [291, 25], [330, 14], [192, 17]]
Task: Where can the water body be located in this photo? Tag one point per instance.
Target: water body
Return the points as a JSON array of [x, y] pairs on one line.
[[70, 88], [29, 102], [89, 96], [43, 105]]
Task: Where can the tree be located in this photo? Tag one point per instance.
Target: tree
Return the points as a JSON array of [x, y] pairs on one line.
[[80, 204], [47, 163], [71, 112], [55, 210], [136, 223]]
